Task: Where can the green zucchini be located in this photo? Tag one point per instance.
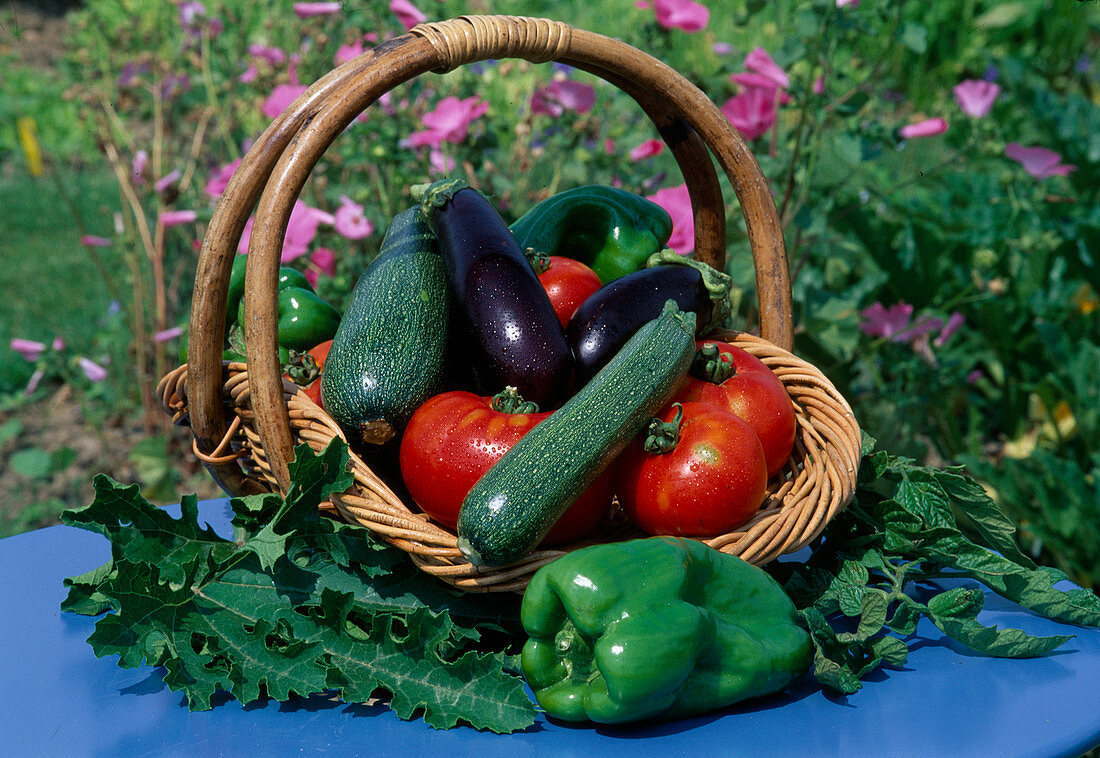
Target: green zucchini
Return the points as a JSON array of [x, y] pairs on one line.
[[512, 507], [388, 355]]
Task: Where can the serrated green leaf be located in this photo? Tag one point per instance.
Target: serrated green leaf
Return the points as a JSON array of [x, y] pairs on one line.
[[141, 532], [988, 519], [409, 663], [84, 595], [296, 604]]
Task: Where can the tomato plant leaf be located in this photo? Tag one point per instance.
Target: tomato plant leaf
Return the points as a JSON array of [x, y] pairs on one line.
[[901, 531]]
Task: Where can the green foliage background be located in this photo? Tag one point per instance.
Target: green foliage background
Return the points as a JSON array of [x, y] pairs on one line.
[[946, 224]]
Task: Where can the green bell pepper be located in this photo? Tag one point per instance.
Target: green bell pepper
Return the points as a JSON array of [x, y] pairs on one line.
[[288, 277], [611, 230], [305, 320], [656, 628]]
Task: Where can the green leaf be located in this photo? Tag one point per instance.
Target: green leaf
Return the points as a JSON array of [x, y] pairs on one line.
[[294, 604], [873, 613], [955, 613], [408, 661], [915, 37], [1032, 589], [890, 650], [10, 429], [142, 533], [32, 463]]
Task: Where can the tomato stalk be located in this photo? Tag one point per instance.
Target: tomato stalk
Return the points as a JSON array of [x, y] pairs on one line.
[[664, 436], [509, 400], [712, 365], [540, 262]]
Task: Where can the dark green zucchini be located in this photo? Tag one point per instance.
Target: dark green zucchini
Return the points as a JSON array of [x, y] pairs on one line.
[[518, 500], [388, 355]]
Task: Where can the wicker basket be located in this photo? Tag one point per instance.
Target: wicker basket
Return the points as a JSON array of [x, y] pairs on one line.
[[246, 419]]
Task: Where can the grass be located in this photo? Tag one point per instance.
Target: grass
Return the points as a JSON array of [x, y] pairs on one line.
[[51, 283]]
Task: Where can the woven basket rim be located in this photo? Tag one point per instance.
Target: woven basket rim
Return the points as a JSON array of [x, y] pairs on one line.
[[816, 484]]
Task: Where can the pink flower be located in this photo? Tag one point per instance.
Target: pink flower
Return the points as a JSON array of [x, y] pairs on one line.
[[190, 13], [760, 62], [141, 162], [29, 349], [563, 95], [407, 13], [1038, 161], [677, 202], [440, 164], [954, 323], [751, 112], [681, 14], [217, 183], [321, 262], [819, 85], [168, 334], [58, 344], [927, 128], [350, 222], [348, 52], [32, 385], [749, 80], [272, 55], [843, 3], [879, 321], [647, 149], [894, 323], [167, 181], [91, 240], [449, 122], [306, 10], [280, 97], [301, 228], [92, 370], [975, 96], [177, 218]]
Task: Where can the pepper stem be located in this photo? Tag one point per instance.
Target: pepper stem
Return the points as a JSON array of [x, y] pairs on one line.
[[712, 365], [664, 436], [509, 400]]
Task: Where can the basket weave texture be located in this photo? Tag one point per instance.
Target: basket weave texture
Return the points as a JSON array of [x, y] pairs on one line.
[[246, 418]]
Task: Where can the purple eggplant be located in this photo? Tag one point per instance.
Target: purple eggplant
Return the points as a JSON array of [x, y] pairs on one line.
[[610, 316], [506, 326]]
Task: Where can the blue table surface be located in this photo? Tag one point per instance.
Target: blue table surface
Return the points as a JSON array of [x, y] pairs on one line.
[[57, 698]]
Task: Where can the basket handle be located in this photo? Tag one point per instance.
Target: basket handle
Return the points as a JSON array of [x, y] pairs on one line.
[[279, 163]]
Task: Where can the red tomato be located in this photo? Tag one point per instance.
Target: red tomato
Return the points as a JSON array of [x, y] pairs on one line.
[[712, 482], [568, 283], [453, 438], [319, 354], [753, 393]]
